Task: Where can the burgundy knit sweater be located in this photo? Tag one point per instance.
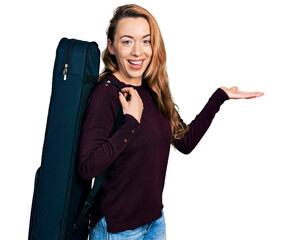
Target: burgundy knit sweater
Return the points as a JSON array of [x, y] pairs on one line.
[[137, 154]]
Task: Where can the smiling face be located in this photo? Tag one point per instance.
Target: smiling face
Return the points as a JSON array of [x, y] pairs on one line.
[[132, 49]]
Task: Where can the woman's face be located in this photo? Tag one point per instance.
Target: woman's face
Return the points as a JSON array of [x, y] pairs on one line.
[[132, 48]]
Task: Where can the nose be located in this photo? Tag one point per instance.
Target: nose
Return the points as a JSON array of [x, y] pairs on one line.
[[136, 50]]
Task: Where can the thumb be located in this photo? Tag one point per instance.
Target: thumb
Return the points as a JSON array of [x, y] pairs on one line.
[[235, 88], [122, 99]]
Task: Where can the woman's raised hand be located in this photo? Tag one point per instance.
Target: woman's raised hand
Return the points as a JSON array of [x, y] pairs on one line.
[[233, 93], [134, 105]]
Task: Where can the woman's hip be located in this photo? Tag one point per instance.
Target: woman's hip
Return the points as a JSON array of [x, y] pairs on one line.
[[155, 230]]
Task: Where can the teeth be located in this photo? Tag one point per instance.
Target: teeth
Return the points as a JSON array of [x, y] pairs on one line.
[[136, 63]]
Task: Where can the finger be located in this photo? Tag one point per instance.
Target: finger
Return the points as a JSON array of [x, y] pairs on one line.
[[257, 94], [122, 99], [125, 94], [131, 92], [248, 95], [128, 89]]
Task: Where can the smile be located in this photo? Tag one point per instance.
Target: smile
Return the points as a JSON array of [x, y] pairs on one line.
[[136, 64]]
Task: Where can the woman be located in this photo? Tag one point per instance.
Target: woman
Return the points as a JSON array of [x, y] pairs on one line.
[[129, 203]]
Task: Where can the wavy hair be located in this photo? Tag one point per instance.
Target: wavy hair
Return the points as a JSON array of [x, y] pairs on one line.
[[155, 76]]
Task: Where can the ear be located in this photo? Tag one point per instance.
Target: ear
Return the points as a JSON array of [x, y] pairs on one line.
[[110, 47]]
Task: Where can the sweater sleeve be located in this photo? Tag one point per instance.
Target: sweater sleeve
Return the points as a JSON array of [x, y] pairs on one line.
[[199, 126], [97, 149]]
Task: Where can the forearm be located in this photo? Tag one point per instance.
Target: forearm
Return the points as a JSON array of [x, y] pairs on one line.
[[199, 126]]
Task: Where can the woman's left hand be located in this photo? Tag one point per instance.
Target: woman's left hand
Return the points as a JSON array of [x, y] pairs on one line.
[[233, 93]]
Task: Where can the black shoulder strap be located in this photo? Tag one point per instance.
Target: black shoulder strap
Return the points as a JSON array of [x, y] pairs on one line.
[[83, 216]]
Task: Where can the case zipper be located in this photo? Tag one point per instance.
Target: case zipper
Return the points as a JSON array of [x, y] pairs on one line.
[[65, 71], [67, 58]]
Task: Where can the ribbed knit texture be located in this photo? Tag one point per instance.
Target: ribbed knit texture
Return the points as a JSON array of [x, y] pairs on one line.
[[137, 154]]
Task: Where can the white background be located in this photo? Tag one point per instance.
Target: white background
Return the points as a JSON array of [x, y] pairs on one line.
[[237, 183]]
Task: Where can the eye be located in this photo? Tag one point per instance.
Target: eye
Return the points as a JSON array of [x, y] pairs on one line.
[[147, 42], [127, 42]]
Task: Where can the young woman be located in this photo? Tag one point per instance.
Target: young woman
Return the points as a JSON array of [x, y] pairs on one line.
[[129, 203]]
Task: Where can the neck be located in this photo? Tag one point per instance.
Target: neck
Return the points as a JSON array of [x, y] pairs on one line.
[[133, 82]]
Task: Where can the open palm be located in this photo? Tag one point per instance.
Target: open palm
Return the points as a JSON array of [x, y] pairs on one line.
[[233, 93]]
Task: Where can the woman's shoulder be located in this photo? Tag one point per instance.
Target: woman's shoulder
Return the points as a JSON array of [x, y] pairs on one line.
[[104, 93], [106, 88]]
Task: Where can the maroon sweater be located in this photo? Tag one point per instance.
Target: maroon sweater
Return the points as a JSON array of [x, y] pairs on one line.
[[137, 154]]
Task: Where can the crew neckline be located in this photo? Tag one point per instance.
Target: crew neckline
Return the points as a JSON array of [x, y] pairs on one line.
[[123, 84]]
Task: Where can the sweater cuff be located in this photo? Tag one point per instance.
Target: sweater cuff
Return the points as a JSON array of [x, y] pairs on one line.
[[126, 130], [131, 126], [219, 96]]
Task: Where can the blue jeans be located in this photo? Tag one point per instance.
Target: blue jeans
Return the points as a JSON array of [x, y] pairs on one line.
[[154, 231]]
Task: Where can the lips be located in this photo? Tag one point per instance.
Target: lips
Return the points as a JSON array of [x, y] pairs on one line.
[[136, 64]]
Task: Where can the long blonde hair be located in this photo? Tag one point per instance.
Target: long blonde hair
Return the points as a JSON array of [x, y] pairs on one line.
[[155, 76]]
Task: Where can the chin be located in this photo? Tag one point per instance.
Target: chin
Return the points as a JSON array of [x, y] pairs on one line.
[[132, 74]]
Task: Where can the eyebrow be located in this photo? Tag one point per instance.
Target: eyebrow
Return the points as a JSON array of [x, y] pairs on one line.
[[129, 36]]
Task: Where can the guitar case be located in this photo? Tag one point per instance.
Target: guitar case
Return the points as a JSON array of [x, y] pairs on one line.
[[61, 200]]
